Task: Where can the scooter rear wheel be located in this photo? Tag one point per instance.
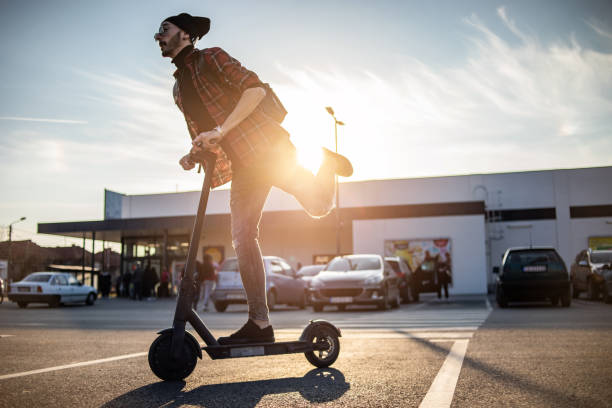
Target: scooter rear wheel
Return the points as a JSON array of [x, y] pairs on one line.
[[326, 338], [167, 368]]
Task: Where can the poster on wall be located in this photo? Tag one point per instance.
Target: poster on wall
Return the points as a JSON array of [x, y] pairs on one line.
[[416, 251], [600, 243]]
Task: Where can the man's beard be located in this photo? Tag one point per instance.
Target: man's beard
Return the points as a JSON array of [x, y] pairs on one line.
[[171, 45]]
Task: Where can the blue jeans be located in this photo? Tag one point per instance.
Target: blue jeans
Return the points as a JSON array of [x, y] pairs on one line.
[[250, 189]]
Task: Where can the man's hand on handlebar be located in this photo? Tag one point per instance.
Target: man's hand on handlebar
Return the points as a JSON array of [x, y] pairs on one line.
[[186, 162], [205, 140]]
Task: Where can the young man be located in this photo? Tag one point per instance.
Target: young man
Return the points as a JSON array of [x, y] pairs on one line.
[[220, 101]]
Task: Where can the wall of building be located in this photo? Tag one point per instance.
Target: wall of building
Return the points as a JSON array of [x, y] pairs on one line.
[[467, 235], [554, 191]]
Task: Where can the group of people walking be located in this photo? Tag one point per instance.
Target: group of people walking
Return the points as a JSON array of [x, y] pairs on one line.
[[139, 283]]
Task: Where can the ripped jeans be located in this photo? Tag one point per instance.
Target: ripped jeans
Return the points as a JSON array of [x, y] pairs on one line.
[[249, 191]]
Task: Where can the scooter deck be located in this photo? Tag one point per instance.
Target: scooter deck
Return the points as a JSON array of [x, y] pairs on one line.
[[258, 349]]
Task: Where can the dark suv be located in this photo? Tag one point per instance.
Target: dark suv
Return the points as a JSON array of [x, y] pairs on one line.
[[592, 273], [533, 274]]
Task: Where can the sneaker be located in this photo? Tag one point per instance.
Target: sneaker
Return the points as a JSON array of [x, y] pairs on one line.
[[249, 333], [341, 165]]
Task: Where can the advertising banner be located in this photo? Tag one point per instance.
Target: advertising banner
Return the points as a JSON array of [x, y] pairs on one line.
[[600, 243], [417, 251]]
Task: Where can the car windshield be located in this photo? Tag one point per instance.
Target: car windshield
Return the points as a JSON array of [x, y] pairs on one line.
[[230, 265], [43, 277], [525, 258], [601, 257], [353, 264]]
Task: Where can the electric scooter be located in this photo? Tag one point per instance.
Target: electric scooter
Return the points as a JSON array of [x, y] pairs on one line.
[[174, 353]]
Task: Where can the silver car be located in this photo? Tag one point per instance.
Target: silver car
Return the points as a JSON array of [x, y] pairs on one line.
[[53, 288], [282, 284], [355, 280]]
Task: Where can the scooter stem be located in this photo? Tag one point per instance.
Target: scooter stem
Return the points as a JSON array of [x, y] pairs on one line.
[[187, 287]]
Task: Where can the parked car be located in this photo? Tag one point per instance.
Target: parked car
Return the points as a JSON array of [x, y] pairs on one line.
[[53, 288], [403, 271], [533, 274], [282, 284], [355, 280], [591, 273], [307, 272]]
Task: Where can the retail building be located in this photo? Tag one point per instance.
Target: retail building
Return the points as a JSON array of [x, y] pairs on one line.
[[471, 219]]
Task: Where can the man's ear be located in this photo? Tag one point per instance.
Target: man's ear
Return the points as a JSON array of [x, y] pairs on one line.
[[185, 36]]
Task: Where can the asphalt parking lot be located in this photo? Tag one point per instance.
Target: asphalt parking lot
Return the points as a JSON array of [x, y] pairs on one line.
[[527, 355]]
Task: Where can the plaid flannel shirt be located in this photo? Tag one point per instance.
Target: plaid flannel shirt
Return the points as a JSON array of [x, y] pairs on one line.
[[219, 81]]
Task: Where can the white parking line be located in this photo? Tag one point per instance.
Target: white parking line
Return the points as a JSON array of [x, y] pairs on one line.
[[63, 367], [442, 389], [6, 335]]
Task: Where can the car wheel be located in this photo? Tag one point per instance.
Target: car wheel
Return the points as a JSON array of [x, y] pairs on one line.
[[501, 299], [554, 300], [566, 298], [91, 299], [302, 303], [317, 308], [592, 292], [220, 306], [271, 300], [22, 305]]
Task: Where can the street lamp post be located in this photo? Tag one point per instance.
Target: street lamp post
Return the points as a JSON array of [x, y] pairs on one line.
[[338, 222], [8, 266]]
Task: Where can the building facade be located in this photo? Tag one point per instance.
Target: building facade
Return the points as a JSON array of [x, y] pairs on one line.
[[469, 219]]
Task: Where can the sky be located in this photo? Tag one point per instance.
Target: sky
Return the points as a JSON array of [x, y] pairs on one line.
[[425, 88]]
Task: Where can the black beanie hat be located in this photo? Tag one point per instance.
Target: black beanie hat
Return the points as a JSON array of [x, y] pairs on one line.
[[196, 27]]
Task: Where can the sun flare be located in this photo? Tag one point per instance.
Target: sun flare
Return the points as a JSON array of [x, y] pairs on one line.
[[310, 157]]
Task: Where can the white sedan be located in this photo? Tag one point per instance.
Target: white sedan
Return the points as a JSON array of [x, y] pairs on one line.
[[53, 288]]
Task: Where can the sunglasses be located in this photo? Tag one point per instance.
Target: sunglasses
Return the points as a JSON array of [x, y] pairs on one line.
[[161, 31]]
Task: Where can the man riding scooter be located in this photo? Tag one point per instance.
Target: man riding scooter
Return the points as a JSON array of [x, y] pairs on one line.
[[222, 104]]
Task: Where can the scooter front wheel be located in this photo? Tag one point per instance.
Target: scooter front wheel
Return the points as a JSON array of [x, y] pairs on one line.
[[164, 365], [325, 343]]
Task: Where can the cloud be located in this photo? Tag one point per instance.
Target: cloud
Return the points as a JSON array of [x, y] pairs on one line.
[[64, 121], [509, 106], [598, 27]]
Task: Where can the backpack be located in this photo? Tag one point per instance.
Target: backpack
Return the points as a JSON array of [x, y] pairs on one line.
[[271, 104]]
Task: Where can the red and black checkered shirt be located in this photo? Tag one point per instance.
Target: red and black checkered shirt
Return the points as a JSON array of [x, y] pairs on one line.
[[219, 81]]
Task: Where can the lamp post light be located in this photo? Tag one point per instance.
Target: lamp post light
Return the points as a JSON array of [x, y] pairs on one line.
[[338, 223], [8, 267]]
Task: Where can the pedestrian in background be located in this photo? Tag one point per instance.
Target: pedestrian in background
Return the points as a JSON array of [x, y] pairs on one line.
[[150, 279], [207, 275], [126, 281], [137, 281], [104, 282], [443, 276], [163, 285]]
